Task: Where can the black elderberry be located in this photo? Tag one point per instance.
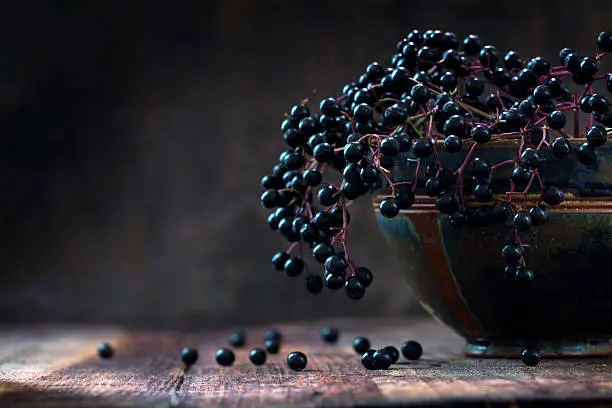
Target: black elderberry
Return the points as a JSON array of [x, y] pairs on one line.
[[513, 60], [527, 78], [329, 107], [604, 118], [328, 195], [564, 53], [539, 215], [455, 125], [596, 136], [404, 197], [531, 158], [338, 215], [452, 144], [483, 192], [446, 204], [297, 361], [351, 173], [512, 253], [480, 168], [369, 175], [329, 334], [279, 259], [314, 283], [420, 94], [457, 219], [474, 86], [257, 356], [572, 63], [272, 334], [404, 142], [528, 108], [412, 350], [270, 198], [272, 346], [539, 66], [499, 76], [294, 266], [521, 176], [481, 134], [389, 208], [500, 211], [389, 147], [361, 345], [422, 148], [364, 275], [522, 221], [354, 288], [382, 360], [105, 351], [308, 126], [488, 56], [395, 115], [523, 275], [452, 108], [322, 221], [448, 82], [353, 152], [299, 112], [334, 282], [225, 357], [362, 96], [362, 113], [273, 221], [517, 88], [286, 229], [238, 338], [598, 103], [323, 152], [321, 252], [541, 94], [313, 177], [586, 154], [604, 41], [367, 359], [433, 186], [335, 264], [553, 195], [530, 357], [472, 44], [561, 148], [588, 67]]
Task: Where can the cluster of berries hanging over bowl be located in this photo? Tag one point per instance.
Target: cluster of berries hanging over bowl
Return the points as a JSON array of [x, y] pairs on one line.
[[430, 111]]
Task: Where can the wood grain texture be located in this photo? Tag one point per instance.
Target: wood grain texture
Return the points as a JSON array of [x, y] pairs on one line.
[[59, 368]]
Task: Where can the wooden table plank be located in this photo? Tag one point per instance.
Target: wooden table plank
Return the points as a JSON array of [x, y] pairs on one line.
[[58, 367]]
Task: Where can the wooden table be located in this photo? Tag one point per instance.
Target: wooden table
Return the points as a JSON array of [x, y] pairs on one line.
[[58, 367]]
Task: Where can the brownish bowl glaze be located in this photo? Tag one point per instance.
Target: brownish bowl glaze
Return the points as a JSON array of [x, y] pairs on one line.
[[458, 274]]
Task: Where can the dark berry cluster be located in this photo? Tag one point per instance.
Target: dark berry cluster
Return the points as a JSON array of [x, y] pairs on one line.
[[383, 358], [438, 94]]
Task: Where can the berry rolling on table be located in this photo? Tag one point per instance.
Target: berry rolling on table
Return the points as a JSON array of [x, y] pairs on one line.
[[491, 178]]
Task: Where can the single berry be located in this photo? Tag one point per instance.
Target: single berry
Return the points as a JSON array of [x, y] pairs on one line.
[[586, 154], [361, 345], [272, 346], [530, 158], [314, 283], [322, 251], [452, 144], [389, 147], [364, 275], [323, 152], [328, 195], [521, 176], [522, 221], [483, 192], [313, 177], [422, 148], [556, 120], [382, 360], [279, 259], [588, 67], [598, 103], [389, 208], [105, 351], [480, 168], [539, 215], [512, 253], [564, 53], [541, 94], [335, 264], [189, 356], [362, 113], [412, 350], [329, 334], [530, 357], [420, 94], [455, 125], [333, 281], [367, 359], [297, 361], [353, 152], [257, 356], [270, 199], [272, 334], [513, 60], [225, 357], [553, 195], [393, 353], [523, 275], [604, 41], [446, 204], [561, 148], [238, 338], [481, 134], [457, 219], [354, 289], [472, 44], [294, 266], [433, 186], [596, 136], [329, 107]]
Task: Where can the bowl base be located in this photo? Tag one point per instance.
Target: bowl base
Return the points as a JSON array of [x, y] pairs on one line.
[[593, 348]]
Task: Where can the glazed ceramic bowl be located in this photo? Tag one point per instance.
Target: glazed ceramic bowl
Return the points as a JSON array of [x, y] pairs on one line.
[[458, 274]]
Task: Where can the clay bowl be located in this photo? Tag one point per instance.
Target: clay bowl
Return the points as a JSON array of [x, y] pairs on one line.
[[458, 274]]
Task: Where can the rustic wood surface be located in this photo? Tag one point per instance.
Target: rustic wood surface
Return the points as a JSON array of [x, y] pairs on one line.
[[58, 367]]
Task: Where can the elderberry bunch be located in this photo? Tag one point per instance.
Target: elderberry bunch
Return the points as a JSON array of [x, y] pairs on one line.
[[438, 96]]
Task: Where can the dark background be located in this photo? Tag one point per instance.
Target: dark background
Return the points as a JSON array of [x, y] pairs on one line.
[[134, 135]]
